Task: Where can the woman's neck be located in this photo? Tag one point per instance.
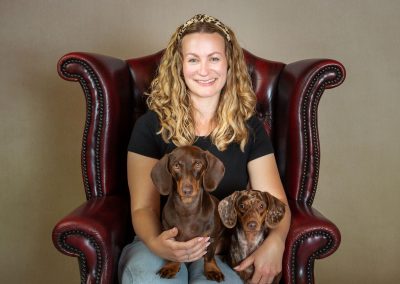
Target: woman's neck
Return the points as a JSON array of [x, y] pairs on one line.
[[204, 116], [204, 126]]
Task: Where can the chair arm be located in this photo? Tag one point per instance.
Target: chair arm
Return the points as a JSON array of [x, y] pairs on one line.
[[301, 85], [107, 85], [95, 232], [311, 236]]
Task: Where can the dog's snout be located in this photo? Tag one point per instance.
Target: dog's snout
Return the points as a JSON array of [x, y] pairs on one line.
[[252, 225], [187, 189]]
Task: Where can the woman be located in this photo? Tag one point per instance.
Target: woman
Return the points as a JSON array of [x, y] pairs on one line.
[[202, 95]]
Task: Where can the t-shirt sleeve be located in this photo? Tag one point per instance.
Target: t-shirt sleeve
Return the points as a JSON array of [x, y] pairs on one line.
[[144, 138], [259, 141]]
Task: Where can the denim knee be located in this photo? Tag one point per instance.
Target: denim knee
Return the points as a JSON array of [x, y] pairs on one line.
[[139, 265]]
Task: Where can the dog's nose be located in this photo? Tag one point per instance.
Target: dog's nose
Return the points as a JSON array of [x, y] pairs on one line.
[[187, 190], [252, 225]]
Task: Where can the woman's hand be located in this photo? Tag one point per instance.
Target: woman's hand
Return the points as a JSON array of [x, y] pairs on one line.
[[267, 260], [168, 248]]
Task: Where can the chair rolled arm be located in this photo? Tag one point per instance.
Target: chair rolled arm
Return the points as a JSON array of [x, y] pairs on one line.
[[311, 236], [300, 88], [95, 232], [107, 85]]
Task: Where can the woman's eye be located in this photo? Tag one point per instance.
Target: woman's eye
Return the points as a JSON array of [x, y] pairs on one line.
[[214, 59], [192, 60]]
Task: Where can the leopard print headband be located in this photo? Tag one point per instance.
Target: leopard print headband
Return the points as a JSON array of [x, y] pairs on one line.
[[204, 19]]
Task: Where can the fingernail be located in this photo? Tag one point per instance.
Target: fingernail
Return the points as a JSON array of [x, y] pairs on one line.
[[200, 239], [207, 244]]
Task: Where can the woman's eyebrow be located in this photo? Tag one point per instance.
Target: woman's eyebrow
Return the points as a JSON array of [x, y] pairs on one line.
[[211, 54], [191, 54], [215, 53]]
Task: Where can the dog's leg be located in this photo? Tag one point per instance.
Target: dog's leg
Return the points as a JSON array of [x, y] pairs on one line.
[[211, 270], [169, 270]]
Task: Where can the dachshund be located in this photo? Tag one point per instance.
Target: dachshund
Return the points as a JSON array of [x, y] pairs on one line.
[[257, 212], [187, 175]]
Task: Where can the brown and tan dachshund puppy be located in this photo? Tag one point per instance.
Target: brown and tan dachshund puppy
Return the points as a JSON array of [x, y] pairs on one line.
[[251, 214], [187, 175]]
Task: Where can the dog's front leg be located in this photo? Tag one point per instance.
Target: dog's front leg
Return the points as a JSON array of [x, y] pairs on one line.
[[211, 269]]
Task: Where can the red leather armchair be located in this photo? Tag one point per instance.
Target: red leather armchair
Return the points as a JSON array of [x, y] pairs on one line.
[[288, 97]]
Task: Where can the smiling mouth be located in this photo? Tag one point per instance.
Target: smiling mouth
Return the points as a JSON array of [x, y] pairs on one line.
[[206, 82]]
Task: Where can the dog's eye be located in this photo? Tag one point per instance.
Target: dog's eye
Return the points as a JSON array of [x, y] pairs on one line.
[[241, 206], [261, 206], [176, 166]]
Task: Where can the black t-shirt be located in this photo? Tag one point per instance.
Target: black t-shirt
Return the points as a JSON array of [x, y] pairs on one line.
[[145, 141]]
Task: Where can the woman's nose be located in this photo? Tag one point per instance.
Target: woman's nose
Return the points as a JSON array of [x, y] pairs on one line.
[[203, 69]]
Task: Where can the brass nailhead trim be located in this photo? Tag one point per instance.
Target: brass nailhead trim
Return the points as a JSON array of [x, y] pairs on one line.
[[81, 256], [310, 262], [88, 123], [314, 130]]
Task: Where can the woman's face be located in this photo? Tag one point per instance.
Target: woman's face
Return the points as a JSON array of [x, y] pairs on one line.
[[204, 64]]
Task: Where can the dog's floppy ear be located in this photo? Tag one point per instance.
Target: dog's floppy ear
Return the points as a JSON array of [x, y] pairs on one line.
[[214, 172], [276, 210], [161, 176], [227, 211]]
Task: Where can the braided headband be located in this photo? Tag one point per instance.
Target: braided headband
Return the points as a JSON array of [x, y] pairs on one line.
[[204, 19]]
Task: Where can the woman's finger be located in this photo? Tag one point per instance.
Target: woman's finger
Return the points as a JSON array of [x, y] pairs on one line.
[[256, 277], [190, 257], [191, 244], [199, 253], [169, 234], [200, 246], [195, 252], [266, 279]]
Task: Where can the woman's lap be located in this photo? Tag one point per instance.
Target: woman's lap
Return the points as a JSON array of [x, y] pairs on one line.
[[139, 265]]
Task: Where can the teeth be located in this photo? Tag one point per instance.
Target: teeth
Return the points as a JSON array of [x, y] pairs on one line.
[[205, 82]]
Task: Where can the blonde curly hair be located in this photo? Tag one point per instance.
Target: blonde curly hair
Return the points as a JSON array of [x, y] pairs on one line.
[[169, 96]]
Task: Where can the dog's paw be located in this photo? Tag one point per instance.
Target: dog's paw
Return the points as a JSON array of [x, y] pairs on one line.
[[166, 273], [169, 270], [215, 275]]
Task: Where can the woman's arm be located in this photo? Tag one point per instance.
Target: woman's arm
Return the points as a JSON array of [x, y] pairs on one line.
[[145, 200], [267, 259], [145, 210]]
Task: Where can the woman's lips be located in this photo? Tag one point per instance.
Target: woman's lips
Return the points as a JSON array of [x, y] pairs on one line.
[[206, 82]]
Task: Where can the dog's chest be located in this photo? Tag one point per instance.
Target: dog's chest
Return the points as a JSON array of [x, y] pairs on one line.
[[189, 226], [194, 229], [243, 246]]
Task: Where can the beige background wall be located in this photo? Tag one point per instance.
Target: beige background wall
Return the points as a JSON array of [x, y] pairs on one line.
[[41, 118]]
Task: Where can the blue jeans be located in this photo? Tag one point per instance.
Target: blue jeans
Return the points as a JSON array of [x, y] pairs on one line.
[[139, 265]]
